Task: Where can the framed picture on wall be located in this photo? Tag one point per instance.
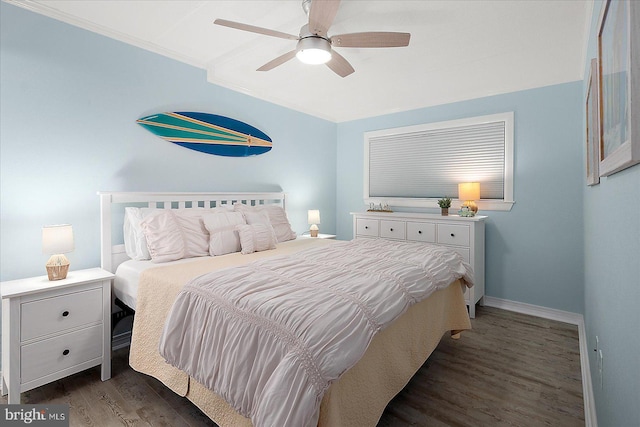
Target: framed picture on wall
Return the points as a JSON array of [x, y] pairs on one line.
[[619, 82], [593, 125]]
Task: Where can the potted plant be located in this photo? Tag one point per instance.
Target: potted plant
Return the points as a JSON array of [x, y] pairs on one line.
[[445, 204]]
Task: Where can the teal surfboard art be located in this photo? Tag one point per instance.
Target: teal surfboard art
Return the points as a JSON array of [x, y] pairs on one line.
[[208, 133]]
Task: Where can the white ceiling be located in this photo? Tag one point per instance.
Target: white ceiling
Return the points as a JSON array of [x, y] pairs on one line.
[[459, 49]]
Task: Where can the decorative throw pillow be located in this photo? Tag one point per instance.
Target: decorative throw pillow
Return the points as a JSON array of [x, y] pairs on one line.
[[259, 217], [256, 238], [223, 238], [277, 217]]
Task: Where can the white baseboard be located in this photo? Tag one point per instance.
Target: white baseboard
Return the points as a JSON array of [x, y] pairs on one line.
[[590, 419]]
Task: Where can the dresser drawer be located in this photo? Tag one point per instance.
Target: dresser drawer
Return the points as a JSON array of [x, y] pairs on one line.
[[392, 229], [421, 231], [453, 234], [50, 315], [367, 227], [48, 356]]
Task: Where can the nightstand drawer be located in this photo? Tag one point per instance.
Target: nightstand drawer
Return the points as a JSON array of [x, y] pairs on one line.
[[392, 229], [48, 356], [50, 315], [453, 234], [367, 227], [421, 231]]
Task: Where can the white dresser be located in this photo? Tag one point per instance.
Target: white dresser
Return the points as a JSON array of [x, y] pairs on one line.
[[52, 329], [463, 235]]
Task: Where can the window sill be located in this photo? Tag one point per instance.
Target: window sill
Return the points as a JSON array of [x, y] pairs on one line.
[[483, 205]]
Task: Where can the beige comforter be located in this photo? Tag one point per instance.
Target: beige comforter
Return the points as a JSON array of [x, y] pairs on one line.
[[379, 375]]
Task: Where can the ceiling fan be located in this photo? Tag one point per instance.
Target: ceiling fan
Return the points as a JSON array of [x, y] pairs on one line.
[[315, 46]]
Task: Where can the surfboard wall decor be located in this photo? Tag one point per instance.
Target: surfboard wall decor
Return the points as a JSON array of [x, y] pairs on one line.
[[208, 133]]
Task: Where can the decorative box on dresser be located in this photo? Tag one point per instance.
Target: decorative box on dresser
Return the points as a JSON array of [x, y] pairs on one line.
[[52, 329], [463, 235]]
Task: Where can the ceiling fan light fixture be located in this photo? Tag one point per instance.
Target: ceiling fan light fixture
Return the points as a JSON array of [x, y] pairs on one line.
[[314, 50]]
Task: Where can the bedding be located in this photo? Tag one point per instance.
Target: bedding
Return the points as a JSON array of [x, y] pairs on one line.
[[128, 274], [276, 336], [395, 354]]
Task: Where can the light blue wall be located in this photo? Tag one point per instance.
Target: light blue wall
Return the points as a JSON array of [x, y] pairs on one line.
[[534, 252], [612, 283], [69, 103]]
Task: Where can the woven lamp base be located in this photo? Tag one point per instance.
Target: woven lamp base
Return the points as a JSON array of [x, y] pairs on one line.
[[57, 267]]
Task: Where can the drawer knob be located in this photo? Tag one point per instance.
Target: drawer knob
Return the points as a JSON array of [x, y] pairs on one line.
[[391, 229], [65, 313], [453, 235], [65, 352], [419, 231], [366, 227]]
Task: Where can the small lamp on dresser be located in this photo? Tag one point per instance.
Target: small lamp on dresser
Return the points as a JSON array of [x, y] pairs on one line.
[[469, 192], [57, 240], [313, 218]]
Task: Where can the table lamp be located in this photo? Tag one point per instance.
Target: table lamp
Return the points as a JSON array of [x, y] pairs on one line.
[[469, 192], [56, 241], [313, 218]]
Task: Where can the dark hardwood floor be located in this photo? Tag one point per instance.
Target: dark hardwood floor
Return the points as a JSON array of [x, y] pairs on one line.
[[510, 370]]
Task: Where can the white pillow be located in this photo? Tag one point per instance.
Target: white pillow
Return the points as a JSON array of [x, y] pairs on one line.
[[196, 236], [164, 236], [223, 238], [277, 217], [256, 238], [135, 243]]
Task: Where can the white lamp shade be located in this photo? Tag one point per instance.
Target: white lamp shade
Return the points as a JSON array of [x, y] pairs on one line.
[[469, 191], [313, 216], [57, 239]]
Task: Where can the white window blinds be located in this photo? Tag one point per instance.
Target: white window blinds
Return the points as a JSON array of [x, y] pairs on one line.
[[429, 161]]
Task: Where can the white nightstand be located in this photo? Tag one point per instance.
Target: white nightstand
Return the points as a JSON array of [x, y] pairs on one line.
[[320, 236], [52, 329]]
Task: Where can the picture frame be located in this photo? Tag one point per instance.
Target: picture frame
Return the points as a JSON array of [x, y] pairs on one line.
[[592, 109], [619, 85]]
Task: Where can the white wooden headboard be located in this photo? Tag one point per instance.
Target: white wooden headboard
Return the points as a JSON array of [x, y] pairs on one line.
[[113, 255]]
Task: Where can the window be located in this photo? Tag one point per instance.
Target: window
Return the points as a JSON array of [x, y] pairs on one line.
[[416, 165]]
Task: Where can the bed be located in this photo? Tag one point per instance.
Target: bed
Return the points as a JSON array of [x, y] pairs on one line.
[[357, 397]]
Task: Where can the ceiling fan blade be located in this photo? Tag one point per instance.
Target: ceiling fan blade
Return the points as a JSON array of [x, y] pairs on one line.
[[278, 61], [371, 39], [253, 29], [339, 65], [321, 15]]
